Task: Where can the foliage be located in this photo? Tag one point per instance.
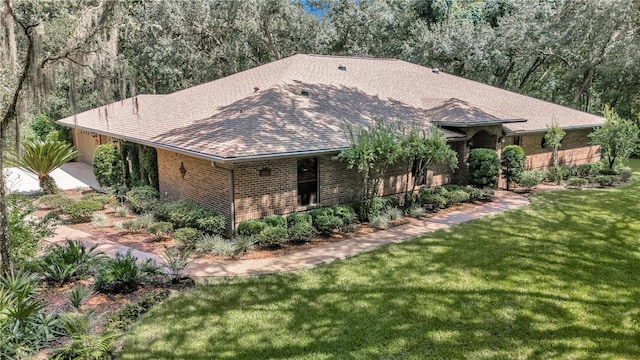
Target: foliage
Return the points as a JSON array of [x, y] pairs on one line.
[[215, 224], [417, 212], [555, 174], [122, 211], [144, 221], [589, 169], [26, 231], [61, 264], [394, 213], [379, 221], [457, 196], [577, 182], [176, 261], [78, 295], [55, 202], [215, 244], [326, 224], [244, 243], [187, 236], [80, 211], [371, 151], [433, 202], [273, 236], [186, 213], [624, 173], [298, 217], [82, 343], [104, 199], [301, 232], [367, 209], [99, 220], [553, 140], [251, 227], [346, 213], [605, 180], [107, 165], [474, 193], [512, 162], [531, 178], [25, 328], [143, 198], [118, 275], [161, 230], [42, 157], [275, 220], [41, 125], [484, 167], [132, 311], [618, 138]]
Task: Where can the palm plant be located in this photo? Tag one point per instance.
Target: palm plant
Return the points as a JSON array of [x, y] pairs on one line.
[[42, 157]]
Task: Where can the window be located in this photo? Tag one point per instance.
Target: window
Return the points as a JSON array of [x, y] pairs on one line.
[[307, 181], [516, 140]]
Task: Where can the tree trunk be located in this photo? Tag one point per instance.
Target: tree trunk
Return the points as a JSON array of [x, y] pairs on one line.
[[5, 237]]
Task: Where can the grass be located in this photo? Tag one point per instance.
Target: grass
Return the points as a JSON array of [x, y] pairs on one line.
[[557, 279]]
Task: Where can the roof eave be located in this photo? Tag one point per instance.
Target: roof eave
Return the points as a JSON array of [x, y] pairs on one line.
[[574, 127]]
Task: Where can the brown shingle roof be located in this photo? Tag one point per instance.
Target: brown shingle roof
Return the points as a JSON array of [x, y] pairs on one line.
[[228, 119]]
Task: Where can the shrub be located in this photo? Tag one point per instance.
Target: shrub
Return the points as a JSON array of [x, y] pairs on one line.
[[175, 261], [608, 171], [379, 222], [132, 311], [25, 229], [377, 206], [624, 174], [215, 244], [589, 169], [143, 198], [417, 212], [99, 220], [244, 243], [107, 165], [275, 220], [122, 211], [346, 213], [161, 230], [457, 197], [63, 263], [101, 198], [394, 214], [251, 227], [484, 167], [555, 174], [531, 179], [577, 182], [301, 232], [273, 235], [55, 202], [320, 212], [299, 217], [215, 224], [325, 224], [131, 225], [605, 180], [78, 295], [118, 275], [474, 193], [187, 236], [512, 162], [144, 221], [80, 211], [434, 202], [186, 213]]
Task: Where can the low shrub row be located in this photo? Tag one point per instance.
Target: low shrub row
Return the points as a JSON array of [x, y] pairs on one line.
[[577, 176], [79, 210], [441, 197]]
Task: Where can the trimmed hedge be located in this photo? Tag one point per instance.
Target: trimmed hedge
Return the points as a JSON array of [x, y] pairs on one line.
[[80, 211], [325, 224], [55, 202], [251, 227], [484, 167], [301, 232], [186, 213], [187, 236], [215, 224], [273, 235], [299, 217], [275, 220]]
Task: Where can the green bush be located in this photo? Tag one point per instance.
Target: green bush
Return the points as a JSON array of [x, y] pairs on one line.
[[346, 213], [186, 213], [326, 224], [378, 205], [457, 197], [319, 212], [132, 311], [26, 230], [101, 198], [624, 174], [299, 217], [273, 235], [187, 236], [474, 193], [61, 264], [484, 167], [80, 211], [251, 227], [531, 178], [606, 180], [55, 202], [118, 275], [394, 213], [161, 230], [417, 212], [215, 244], [107, 165], [215, 224], [589, 169], [555, 174], [577, 182], [434, 202], [275, 220], [512, 162], [244, 243], [301, 232], [380, 221], [143, 198]]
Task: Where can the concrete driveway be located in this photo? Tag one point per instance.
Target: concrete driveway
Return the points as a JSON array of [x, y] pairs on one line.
[[71, 175]]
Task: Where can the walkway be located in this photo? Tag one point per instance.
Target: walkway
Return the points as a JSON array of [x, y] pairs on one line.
[[320, 255]]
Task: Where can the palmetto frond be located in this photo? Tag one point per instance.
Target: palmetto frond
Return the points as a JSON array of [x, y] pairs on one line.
[[42, 157]]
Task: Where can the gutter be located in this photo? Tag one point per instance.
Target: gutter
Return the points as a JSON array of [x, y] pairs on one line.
[[232, 194], [525, 132]]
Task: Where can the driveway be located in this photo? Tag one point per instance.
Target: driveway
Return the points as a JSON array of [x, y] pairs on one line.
[[71, 175]]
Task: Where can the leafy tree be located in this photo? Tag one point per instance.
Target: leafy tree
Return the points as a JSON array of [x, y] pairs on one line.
[[26, 230], [617, 137], [107, 165], [42, 157], [484, 167], [512, 162], [553, 140]]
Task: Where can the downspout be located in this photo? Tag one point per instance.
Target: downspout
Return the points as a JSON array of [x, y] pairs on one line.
[[232, 195]]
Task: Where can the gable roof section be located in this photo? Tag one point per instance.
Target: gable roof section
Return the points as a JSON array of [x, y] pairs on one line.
[[229, 119]]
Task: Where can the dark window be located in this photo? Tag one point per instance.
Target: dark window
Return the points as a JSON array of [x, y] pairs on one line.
[[516, 140], [307, 181]]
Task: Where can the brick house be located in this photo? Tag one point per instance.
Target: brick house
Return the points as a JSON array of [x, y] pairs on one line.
[[262, 141]]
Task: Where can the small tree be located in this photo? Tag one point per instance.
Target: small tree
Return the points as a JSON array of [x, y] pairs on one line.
[[553, 140], [484, 167], [42, 157], [512, 162], [107, 165], [372, 150], [617, 137]]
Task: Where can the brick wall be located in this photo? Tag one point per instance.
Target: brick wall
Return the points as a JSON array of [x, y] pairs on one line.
[[202, 182]]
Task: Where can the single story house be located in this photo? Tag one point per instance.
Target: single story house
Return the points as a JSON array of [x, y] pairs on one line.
[[262, 141]]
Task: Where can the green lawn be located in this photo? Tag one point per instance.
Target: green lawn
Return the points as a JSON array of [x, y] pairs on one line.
[[557, 279]]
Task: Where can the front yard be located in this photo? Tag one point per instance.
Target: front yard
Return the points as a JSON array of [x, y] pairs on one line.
[[557, 279]]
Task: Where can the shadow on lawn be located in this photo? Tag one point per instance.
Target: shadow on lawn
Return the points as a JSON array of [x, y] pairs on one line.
[[559, 284]]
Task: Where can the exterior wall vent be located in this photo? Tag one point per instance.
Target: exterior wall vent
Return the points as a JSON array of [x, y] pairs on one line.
[[304, 92], [342, 67], [436, 71]]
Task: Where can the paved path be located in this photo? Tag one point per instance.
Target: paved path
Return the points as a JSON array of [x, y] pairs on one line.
[[71, 175], [319, 255]]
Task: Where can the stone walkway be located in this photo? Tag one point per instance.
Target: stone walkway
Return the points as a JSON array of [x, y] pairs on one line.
[[319, 255]]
